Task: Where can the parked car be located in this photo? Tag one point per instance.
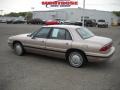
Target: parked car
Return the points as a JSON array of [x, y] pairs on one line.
[[77, 23], [102, 23], [9, 21], [90, 23], [18, 21], [87, 23], [61, 21], [3, 21], [52, 22], [76, 44], [35, 21], [15, 21], [67, 22]]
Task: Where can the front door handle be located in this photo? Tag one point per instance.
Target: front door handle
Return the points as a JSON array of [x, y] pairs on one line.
[[42, 41]]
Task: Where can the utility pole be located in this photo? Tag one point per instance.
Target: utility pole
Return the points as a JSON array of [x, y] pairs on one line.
[[1, 12], [32, 8], [83, 13]]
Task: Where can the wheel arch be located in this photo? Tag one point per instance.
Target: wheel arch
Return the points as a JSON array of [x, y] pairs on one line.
[[74, 49], [23, 50], [16, 41]]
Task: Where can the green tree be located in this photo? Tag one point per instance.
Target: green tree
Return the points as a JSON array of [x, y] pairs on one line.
[[27, 15], [12, 14], [117, 13]]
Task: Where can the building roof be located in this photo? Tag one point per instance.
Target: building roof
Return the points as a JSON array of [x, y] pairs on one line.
[[53, 10]]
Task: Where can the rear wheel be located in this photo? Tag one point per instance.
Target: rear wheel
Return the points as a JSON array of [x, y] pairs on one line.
[[76, 59], [18, 49]]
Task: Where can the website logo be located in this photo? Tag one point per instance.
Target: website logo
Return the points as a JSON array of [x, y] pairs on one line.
[[59, 3]]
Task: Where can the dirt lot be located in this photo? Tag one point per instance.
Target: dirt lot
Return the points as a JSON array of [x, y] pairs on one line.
[[36, 72]]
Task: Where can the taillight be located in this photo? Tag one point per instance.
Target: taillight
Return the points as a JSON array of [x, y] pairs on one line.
[[106, 47]]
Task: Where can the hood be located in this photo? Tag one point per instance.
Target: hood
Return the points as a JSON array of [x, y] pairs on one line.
[[19, 36], [100, 40], [101, 23]]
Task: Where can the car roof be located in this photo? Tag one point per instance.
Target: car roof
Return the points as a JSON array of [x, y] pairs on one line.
[[64, 26]]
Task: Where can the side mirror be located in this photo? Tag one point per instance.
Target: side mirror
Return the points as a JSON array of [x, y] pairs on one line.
[[28, 35], [32, 37]]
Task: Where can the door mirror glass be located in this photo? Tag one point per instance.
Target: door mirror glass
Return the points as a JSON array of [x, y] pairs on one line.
[[29, 35]]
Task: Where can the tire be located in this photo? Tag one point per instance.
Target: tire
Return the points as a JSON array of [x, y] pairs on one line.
[[106, 26], [76, 59], [18, 49]]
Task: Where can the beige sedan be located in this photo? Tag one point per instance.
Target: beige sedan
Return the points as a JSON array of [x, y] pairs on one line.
[[76, 44]]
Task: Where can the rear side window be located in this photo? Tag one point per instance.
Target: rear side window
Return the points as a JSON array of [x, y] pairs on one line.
[[62, 34]]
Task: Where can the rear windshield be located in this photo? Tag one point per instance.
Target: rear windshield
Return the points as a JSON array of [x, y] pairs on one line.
[[85, 33], [101, 20]]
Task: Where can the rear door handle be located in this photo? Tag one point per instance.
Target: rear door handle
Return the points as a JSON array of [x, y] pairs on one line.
[[67, 43]]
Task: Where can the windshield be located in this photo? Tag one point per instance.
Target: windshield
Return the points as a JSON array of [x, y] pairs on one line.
[[85, 33], [33, 33]]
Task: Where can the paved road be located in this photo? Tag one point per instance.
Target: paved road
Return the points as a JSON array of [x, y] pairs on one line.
[[35, 72]]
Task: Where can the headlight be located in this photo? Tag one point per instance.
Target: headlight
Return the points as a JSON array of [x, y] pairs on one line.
[[10, 40]]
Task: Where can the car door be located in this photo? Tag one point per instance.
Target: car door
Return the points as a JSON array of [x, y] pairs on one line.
[[59, 41], [38, 39]]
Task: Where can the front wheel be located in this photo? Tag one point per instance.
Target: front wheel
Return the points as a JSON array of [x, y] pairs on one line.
[[18, 49], [76, 59]]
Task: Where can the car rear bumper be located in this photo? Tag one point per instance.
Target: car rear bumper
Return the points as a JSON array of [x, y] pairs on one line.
[[101, 58], [102, 25]]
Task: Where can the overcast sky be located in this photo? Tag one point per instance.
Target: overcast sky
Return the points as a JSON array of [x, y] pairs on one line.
[[26, 5]]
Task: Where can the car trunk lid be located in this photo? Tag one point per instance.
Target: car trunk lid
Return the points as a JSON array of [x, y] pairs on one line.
[[100, 40]]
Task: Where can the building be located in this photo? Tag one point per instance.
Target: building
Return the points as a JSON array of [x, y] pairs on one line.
[[76, 14]]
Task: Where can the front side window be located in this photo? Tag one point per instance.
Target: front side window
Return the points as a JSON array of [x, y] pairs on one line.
[[61, 34], [43, 33], [68, 36], [85, 33]]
